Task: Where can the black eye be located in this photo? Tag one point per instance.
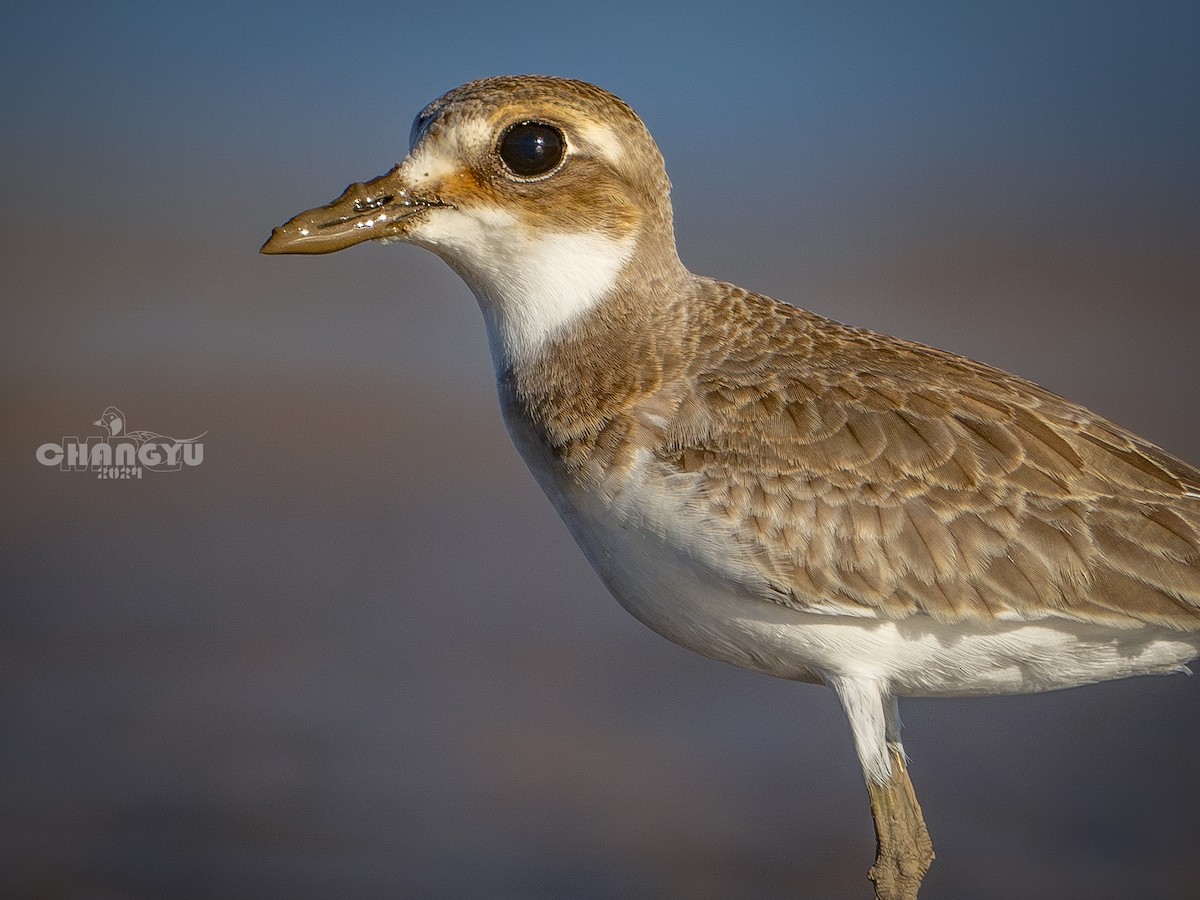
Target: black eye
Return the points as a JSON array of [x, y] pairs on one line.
[[530, 149]]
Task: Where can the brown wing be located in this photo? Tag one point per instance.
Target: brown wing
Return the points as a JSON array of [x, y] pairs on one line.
[[887, 478]]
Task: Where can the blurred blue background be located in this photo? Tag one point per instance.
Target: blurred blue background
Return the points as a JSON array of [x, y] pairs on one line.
[[354, 653]]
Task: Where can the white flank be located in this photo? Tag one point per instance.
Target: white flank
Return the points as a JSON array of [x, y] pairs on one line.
[[693, 581], [530, 284]]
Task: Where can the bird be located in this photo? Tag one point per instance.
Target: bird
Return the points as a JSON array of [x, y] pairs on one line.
[[768, 487]]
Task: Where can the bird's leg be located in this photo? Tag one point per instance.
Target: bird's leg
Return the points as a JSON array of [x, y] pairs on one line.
[[903, 850]]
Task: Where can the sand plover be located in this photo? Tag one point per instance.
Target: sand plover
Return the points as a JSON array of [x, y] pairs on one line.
[[768, 487]]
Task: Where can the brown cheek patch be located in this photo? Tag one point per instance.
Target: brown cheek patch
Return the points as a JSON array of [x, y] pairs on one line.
[[583, 196], [586, 192], [462, 188]]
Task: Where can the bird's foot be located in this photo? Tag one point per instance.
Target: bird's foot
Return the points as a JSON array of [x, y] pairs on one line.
[[903, 849]]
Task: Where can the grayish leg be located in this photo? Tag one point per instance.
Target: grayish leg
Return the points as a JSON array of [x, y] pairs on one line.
[[903, 851]]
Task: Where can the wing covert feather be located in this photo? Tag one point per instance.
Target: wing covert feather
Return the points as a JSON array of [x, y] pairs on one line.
[[885, 478]]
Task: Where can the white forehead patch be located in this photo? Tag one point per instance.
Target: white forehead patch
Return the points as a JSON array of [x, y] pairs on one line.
[[531, 284], [443, 149], [429, 164]]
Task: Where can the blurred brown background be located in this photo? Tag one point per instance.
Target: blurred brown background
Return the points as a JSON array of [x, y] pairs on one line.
[[354, 653]]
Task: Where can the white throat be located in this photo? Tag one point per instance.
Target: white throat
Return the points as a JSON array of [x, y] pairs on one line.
[[531, 285]]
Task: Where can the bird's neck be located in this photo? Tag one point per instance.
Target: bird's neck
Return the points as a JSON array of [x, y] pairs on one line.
[[542, 285], [591, 384]]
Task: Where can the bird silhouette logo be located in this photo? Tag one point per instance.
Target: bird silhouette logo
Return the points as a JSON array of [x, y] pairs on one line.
[[113, 421], [155, 452]]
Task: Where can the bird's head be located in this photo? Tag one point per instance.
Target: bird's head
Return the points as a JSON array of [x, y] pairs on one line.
[[113, 420], [539, 192]]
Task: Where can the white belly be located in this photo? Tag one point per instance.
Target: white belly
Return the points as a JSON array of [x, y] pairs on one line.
[[672, 570]]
